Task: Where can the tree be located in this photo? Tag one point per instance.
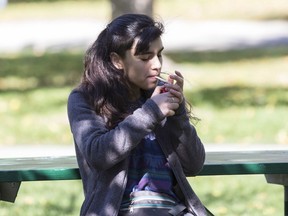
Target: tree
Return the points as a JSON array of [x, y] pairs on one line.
[[120, 7]]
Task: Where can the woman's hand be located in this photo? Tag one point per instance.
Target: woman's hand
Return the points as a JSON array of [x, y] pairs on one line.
[[175, 86], [166, 102], [169, 101]]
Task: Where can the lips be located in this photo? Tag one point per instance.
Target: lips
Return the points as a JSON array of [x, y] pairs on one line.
[[152, 77]]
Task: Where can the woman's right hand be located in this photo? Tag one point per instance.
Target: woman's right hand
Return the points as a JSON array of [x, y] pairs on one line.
[[166, 102]]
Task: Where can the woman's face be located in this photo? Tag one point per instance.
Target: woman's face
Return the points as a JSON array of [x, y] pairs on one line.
[[141, 69]]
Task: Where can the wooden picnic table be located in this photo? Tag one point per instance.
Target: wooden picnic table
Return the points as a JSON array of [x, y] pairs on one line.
[[272, 163]]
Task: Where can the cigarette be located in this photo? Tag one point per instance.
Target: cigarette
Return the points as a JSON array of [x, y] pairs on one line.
[[160, 78]]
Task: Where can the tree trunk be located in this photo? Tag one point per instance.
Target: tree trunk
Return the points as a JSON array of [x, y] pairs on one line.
[[120, 7]]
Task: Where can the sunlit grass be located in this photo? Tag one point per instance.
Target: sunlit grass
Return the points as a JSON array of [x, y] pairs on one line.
[[99, 9], [245, 126], [35, 117], [223, 195], [172, 9], [46, 198], [222, 9], [234, 195], [239, 101]]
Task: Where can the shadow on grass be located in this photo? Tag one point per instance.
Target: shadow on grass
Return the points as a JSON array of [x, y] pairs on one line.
[[49, 69], [240, 96], [226, 56], [65, 69]]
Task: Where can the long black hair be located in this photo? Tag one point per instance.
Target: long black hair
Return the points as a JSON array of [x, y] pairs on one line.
[[107, 90]]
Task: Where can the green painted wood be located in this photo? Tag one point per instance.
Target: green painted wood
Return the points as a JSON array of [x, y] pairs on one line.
[[246, 162], [217, 163], [39, 168]]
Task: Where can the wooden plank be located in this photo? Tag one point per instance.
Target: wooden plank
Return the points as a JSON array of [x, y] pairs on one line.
[[246, 162], [247, 157], [244, 169], [39, 168], [217, 163]]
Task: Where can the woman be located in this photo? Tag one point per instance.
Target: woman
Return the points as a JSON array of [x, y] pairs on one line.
[[133, 138]]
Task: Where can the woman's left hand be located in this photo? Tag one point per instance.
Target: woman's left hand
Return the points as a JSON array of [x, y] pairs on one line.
[[175, 86]]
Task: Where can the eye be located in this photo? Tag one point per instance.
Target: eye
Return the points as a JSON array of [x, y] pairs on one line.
[[145, 57]]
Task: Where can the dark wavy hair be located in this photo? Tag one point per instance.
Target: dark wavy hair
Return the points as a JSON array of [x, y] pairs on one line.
[[107, 90]]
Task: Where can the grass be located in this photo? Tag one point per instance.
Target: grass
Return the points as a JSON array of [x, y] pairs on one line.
[[241, 97], [223, 195], [249, 89], [35, 116], [222, 9], [45, 198], [242, 89], [99, 9], [34, 90], [239, 195], [173, 9]]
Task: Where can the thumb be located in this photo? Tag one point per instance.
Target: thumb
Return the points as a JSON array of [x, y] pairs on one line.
[[157, 90]]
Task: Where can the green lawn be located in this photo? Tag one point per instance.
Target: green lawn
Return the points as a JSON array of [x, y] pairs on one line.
[[239, 195], [34, 90], [223, 195], [45, 198], [180, 9], [240, 96]]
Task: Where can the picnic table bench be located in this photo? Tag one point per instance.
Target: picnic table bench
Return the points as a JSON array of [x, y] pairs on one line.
[[272, 163]]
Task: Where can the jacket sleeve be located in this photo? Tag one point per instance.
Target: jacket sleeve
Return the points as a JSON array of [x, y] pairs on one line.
[[187, 145], [103, 148]]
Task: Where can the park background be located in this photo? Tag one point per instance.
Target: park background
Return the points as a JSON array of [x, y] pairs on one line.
[[239, 93]]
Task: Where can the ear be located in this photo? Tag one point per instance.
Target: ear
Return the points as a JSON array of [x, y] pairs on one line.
[[116, 60]]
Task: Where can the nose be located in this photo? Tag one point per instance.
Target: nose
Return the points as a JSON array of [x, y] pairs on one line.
[[156, 63]]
